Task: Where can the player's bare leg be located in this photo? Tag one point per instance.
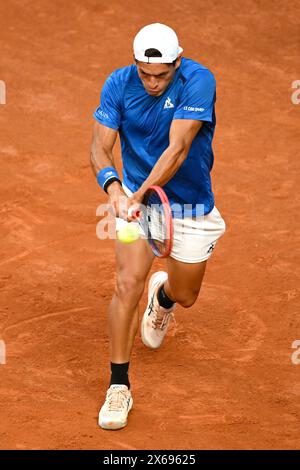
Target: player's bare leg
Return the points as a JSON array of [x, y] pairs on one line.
[[133, 264], [184, 281], [181, 284]]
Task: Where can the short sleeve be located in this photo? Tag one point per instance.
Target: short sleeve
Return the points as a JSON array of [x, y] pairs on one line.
[[197, 98], [109, 111]]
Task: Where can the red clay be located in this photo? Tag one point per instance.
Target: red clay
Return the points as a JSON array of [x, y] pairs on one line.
[[224, 377]]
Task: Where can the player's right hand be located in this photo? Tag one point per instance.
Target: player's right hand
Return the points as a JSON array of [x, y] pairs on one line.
[[118, 200]]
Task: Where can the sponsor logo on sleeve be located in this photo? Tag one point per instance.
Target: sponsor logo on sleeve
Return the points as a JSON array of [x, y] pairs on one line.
[[103, 114], [192, 108]]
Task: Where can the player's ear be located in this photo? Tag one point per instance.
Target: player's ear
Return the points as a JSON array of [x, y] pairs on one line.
[[178, 62]]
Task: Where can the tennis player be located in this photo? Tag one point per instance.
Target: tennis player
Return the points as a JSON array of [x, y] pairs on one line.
[[163, 108]]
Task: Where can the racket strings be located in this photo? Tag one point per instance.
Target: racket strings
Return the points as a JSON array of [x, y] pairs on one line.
[[156, 222]]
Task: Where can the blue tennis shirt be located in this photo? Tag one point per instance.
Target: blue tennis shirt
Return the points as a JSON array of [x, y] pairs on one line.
[[144, 121]]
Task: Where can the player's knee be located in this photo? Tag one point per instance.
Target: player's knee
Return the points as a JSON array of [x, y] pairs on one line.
[[129, 286]]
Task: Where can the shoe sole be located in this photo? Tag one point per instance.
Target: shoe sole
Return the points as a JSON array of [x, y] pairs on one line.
[[115, 426], [143, 324]]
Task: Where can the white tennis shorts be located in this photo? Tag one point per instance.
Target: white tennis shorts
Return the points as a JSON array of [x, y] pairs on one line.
[[194, 239]]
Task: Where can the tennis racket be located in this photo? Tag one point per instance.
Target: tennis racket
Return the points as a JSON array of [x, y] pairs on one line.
[[155, 217]]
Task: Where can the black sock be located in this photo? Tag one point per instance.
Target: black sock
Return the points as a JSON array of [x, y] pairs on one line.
[[119, 374], [163, 299]]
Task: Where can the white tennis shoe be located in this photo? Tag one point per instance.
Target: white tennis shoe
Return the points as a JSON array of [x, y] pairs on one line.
[[114, 412], [156, 319]]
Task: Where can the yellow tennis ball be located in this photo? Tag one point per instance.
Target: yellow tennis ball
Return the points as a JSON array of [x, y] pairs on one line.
[[129, 233]]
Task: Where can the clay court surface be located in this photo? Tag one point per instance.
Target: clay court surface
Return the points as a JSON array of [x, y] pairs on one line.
[[224, 378]]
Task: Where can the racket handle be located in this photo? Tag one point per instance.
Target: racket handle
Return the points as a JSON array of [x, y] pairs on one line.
[[134, 212]]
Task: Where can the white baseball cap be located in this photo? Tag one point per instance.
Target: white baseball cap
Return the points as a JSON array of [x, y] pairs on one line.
[[156, 36]]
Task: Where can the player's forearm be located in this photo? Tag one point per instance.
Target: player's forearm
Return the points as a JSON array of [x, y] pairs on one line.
[[165, 168], [100, 158]]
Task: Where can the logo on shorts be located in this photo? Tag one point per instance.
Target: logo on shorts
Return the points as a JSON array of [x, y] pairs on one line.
[[168, 104], [211, 248]]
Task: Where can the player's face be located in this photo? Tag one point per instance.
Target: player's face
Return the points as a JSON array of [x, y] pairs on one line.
[[156, 77]]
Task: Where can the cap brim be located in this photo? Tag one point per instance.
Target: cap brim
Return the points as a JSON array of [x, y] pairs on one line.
[[139, 55]]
